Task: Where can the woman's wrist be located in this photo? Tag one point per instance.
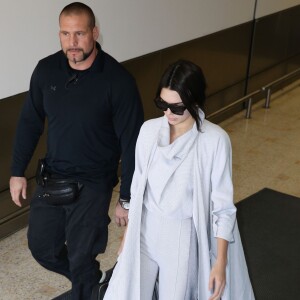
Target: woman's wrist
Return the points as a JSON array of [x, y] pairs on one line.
[[222, 261], [222, 252]]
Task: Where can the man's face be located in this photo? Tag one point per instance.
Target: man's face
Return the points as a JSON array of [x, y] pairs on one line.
[[77, 38]]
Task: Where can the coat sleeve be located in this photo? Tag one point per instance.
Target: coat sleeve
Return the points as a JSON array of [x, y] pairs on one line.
[[143, 149], [138, 170], [223, 210]]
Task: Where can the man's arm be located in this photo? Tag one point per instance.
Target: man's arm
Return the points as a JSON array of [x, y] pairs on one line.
[[128, 116], [29, 129]]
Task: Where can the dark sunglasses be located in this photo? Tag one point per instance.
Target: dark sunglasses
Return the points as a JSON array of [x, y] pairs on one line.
[[176, 109]]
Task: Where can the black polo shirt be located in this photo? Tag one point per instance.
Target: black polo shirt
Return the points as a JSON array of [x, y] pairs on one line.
[[93, 120]]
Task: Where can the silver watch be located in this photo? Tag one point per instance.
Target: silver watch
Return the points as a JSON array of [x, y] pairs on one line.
[[124, 203]]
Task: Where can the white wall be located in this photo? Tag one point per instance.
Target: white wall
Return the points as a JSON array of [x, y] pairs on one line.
[[143, 26], [130, 28], [267, 7]]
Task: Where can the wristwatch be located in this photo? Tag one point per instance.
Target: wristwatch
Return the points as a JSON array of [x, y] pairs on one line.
[[124, 203]]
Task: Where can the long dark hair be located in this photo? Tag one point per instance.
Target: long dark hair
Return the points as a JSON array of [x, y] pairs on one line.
[[187, 79]]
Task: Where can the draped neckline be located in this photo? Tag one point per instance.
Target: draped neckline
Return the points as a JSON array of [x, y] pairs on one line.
[[181, 146]]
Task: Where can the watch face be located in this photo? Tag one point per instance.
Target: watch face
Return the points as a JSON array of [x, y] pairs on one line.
[[125, 205]]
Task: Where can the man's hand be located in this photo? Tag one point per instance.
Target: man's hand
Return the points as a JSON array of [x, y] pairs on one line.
[[121, 215], [18, 187]]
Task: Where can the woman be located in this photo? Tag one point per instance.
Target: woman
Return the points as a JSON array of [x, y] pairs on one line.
[[182, 240]]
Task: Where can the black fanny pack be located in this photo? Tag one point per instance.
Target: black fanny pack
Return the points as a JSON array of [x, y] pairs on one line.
[[56, 191]]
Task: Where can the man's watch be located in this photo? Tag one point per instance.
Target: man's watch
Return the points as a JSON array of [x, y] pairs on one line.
[[124, 203]]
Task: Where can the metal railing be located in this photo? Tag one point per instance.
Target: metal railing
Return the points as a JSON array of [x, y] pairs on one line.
[[241, 100], [267, 89]]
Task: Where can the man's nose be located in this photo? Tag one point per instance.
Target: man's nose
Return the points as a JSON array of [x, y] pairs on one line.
[[74, 40]]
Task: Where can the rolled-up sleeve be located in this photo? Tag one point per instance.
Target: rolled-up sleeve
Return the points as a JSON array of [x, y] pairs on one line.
[[223, 209]]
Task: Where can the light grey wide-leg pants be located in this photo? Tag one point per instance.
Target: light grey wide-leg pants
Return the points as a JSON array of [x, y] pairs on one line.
[[165, 245]]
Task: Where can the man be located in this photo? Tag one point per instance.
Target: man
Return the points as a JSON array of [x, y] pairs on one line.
[[94, 114]]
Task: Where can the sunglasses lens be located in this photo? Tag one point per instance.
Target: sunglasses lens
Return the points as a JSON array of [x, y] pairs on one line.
[[161, 105], [178, 110], [175, 109]]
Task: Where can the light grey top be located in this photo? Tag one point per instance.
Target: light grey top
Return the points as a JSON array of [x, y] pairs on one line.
[[169, 189]]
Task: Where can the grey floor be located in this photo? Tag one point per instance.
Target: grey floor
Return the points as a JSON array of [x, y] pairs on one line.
[[266, 153]]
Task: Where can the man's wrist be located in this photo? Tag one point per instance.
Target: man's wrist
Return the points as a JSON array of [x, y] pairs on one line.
[[125, 204]]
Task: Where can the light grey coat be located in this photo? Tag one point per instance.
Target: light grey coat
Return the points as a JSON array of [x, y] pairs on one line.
[[214, 215]]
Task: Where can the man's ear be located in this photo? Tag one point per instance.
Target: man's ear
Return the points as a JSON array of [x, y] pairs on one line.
[[96, 33]]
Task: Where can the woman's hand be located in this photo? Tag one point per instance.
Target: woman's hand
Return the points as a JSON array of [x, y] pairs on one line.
[[217, 280]]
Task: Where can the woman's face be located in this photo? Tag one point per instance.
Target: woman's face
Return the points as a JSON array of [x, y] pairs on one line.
[[172, 97]]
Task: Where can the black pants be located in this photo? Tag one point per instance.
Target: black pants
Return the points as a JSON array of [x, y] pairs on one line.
[[67, 239]]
